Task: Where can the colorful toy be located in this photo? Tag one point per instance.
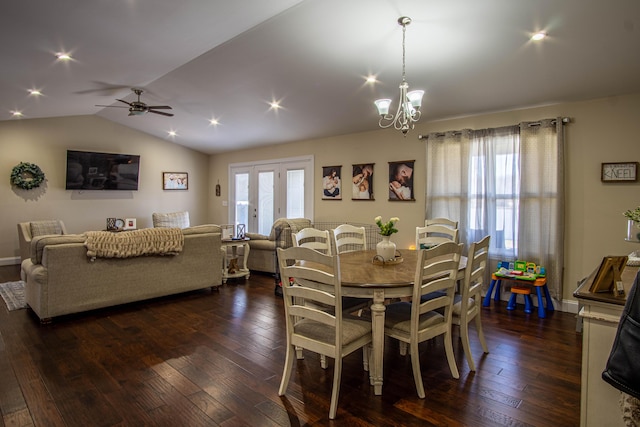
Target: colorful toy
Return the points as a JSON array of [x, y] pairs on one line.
[[519, 269]]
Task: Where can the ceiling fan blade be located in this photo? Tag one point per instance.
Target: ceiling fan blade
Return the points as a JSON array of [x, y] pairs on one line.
[[160, 112], [104, 89], [114, 106], [123, 101], [161, 107]]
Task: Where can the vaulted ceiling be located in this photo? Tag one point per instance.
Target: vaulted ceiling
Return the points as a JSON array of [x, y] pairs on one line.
[[228, 60]]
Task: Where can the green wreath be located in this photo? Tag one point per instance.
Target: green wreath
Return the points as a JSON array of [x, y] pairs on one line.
[[27, 176]]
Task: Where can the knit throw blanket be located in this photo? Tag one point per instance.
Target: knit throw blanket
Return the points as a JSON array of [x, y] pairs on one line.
[[148, 241]]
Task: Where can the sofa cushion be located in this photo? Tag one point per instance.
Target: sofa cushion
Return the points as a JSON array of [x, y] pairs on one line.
[[199, 229], [39, 242], [264, 245], [41, 228], [171, 220]]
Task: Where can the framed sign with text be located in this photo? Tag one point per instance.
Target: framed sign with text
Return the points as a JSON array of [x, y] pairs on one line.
[[619, 172]]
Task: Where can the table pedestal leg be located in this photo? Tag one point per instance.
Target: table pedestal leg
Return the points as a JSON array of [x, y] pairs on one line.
[[377, 324]]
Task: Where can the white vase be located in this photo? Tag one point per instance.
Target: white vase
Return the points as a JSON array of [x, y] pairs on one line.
[[386, 249], [633, 231]]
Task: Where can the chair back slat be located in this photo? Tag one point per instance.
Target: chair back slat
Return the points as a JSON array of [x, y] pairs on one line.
[[320, 240], [436, 271], [441, 221], [348, 238], [432, 235]]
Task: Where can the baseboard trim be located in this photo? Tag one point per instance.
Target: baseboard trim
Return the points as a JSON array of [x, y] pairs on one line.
[[9, 261], [570, 306]]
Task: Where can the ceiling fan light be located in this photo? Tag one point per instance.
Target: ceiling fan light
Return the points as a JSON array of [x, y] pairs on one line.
[[415, 97], [383, 106]]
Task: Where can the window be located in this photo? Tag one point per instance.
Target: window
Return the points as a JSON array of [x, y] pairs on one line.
[[494, 191], [507, 183]]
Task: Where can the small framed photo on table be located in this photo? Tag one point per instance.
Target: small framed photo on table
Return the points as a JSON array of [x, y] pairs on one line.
[[175, 181], [129, 224]]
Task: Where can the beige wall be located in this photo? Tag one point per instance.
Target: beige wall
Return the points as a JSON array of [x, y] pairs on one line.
[[45, 141], [603, 130]]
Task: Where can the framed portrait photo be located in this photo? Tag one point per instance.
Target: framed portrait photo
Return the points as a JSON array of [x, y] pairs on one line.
[[362, 182], [331, 183], [401, 181], [175, 181]]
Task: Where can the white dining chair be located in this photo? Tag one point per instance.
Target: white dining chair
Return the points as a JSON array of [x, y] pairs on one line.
[[468, 303], [431, 235], [320, 240], [413, 323], [325, 332], [348, 238]]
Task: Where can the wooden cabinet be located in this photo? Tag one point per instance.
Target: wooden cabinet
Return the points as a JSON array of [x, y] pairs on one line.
[[600, 314]]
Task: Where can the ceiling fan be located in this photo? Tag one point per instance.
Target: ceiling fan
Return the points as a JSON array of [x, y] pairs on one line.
[[138, 108]]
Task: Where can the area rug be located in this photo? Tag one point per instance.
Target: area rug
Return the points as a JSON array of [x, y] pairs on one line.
[[13, 295]]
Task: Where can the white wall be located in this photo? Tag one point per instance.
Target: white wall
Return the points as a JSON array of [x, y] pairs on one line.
[[45, 142], [602, 130]]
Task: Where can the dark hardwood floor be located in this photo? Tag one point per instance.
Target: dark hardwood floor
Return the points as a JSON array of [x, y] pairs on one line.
[[212, 358]]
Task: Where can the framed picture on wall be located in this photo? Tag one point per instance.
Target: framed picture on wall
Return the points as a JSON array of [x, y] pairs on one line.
[[175, 181], [362, 180], [401, 181], [331, 183]]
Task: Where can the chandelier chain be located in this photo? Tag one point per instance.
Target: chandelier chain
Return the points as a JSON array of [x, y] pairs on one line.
[[408, 112], [404, 31]]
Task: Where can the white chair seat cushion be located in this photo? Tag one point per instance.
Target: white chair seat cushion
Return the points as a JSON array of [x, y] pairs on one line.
[[398, 318], [457, 304], [352, 329]]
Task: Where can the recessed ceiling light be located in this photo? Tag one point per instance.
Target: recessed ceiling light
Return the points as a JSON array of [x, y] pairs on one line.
[[275, 105], [213, 121], [172, 133], [35, 92], [17, 113], [63, 56], [371, 79], [538, 36]]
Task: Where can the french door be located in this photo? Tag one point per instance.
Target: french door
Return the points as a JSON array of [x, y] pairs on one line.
[[261, 192]]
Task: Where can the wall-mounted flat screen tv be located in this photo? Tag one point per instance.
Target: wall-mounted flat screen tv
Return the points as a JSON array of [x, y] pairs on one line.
[[102, 171]]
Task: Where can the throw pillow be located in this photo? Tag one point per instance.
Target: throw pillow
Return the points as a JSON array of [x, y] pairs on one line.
[[171, 220], [41, 228]]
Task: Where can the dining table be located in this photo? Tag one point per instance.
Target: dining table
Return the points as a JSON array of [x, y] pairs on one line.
[[363, 278]]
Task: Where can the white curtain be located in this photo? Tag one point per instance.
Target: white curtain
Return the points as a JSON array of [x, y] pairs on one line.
[[507, 183]]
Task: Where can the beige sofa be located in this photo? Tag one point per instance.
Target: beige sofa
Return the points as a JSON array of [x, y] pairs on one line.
[[262, 248], [62, 279]]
